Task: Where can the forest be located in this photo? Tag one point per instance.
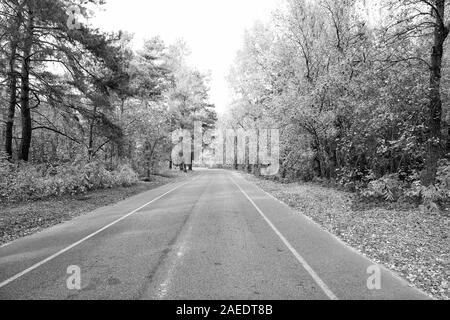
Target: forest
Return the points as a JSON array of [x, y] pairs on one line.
[[359, 90], [80, 109]]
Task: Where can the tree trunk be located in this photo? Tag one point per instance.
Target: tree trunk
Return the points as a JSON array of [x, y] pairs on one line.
[[12, 85], [191, 165], [12, 100], [435, 108], [25, 93], [150, 158], [91, 133]]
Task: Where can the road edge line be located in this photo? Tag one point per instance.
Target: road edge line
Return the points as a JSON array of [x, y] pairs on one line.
[[395, 274], [299, 258]]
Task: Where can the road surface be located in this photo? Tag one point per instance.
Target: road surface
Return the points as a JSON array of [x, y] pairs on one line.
[[212, 236]]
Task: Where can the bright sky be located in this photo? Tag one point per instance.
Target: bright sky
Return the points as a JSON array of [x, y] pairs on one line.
[[213, 29]]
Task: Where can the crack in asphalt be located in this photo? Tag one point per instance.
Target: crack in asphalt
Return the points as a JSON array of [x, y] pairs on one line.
[[166, 255]]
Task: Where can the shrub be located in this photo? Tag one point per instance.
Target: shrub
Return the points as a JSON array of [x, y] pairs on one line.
[[393, 188], [31, 182], [434, 196], [355, 180], [389, 188]]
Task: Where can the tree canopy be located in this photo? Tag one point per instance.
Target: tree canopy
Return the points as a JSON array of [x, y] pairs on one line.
[[73, 92]]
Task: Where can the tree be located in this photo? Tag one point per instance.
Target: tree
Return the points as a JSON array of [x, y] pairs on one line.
[[422, 18], [188, 98], [11, 22]]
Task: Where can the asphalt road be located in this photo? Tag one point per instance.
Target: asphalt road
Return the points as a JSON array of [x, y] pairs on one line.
[[214, 236]]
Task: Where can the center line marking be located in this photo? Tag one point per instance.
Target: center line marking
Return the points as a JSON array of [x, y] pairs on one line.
[[299, 258], [37, 265]]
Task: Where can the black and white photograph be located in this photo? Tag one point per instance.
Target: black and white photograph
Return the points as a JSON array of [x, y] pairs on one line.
[[223, 159]]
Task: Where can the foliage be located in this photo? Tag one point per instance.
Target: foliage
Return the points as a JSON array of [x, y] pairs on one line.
[[389, 188], [83, 93], [350, 91], [30, 182], [396, 187]]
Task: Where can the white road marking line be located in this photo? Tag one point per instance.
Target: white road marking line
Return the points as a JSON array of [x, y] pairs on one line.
[[37, 265], [342, 242], [300, 259]]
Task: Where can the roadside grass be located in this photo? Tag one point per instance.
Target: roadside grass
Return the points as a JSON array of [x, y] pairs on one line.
[[20, 219], [410, 242]]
